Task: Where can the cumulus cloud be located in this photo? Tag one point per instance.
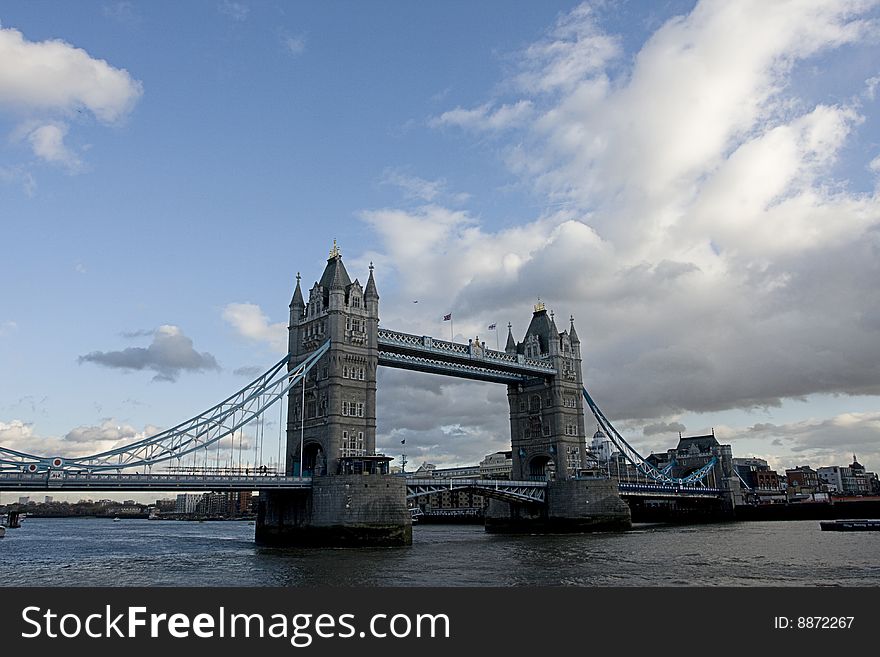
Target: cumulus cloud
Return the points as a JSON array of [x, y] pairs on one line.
[[80, 441], [54, 75], [170, 353], [108, 434], [249, 321], [44, 82], [443, 420], [47, 142], [700, 225], [819, 441]]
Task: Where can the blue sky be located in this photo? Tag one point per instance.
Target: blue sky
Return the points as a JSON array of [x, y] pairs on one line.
[[695, 182]]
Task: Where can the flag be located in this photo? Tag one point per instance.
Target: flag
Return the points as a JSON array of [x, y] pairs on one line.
[[447, 318], [403, 442], [492, 327], [415, 301]]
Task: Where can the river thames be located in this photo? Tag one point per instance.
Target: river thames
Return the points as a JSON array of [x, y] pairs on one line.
[[99, 552]]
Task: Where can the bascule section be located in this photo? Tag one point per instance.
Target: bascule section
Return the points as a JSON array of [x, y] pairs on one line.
[[331, 425]]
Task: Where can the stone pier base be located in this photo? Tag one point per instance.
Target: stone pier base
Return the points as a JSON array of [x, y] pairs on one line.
[[338, 511], [574, 505]]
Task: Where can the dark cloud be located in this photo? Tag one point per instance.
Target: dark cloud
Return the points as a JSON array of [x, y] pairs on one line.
[[663, 427], [445, 421], [170, 353]]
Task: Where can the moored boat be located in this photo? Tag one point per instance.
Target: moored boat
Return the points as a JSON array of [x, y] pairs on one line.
[[850, 525]]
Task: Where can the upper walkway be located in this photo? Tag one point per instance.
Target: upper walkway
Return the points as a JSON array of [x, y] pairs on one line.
[[423, 353]]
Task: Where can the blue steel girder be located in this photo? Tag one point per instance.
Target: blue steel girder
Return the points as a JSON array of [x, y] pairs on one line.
[[76, 481], [664, 491], [533, 492], [427, 354], [637, 460], [193, 435], [436, 366]]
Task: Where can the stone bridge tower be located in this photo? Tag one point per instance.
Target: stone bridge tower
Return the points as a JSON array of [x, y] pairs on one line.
[[353, 500], [547, 415], [340, 392]]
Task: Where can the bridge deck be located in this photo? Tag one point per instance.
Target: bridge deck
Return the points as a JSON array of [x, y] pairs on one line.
[[71, 481]]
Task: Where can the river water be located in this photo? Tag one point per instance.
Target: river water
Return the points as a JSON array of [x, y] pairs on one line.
[[99, 552]]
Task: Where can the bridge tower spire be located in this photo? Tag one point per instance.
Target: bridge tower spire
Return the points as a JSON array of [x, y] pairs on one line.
[[546, 414], [331, 425], [340, 396]]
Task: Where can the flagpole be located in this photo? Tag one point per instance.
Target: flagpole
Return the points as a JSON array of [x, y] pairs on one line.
[[496, 337], [451, 328]]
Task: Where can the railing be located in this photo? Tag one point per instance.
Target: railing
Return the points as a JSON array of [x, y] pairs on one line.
[[191, 436], [427, 345], [86, 481]]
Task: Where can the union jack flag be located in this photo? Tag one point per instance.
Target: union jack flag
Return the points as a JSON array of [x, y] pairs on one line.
[[447, 318], [491, 327]]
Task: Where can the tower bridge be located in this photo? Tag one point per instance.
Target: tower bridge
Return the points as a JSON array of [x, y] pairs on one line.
[[335, 489]]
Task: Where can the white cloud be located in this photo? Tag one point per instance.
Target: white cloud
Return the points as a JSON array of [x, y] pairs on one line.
[[56, 76], [86, 440], [42, 83], [251, 322], [294, 44], [819, 441], [7, 327], [710, 256], [47, 142], [80, 441], [485, 117]]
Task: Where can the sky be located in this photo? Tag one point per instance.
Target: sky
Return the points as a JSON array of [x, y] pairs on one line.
[[695, 182]]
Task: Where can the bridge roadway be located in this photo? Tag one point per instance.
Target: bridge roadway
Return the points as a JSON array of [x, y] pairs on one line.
[[75, 481], [509, 490]]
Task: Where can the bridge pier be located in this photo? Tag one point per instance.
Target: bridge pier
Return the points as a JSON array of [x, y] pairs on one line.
[[573, 505], [348, 510]]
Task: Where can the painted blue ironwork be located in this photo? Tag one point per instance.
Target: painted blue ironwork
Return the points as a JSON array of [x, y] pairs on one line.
[[424, 353], [82, 481], [438, 366], [636, 459], [193, 435], [510, 491], [662, 490]]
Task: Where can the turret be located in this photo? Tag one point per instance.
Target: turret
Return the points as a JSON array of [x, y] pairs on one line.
[[370, 291], [297, 306], [510, 347]]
